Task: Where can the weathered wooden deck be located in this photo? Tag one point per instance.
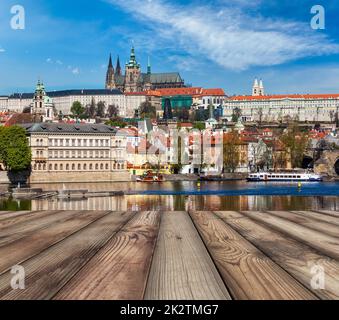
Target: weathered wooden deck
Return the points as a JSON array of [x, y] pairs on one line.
[[169, 255]]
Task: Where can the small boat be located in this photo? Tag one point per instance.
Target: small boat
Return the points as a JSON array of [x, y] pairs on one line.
[[149, 176], [284, 176]]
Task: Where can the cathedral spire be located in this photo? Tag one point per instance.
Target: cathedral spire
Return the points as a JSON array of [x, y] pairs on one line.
[[118, 67], [110, 75], [149, 69], [110, 64], [133, 61]]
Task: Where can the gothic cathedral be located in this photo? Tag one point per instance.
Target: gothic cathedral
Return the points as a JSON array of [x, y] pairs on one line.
[[136, 81]]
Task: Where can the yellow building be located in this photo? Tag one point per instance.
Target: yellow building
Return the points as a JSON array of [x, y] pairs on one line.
[[76, 152]]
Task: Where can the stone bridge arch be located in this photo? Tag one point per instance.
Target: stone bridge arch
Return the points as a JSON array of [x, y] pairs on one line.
[[328, 163]]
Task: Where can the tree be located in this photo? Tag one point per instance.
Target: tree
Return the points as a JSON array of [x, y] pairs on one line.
[[92, 109], [168, 114], [117, 122], [200, 115], [101, 109], [231, 151], [112, 111], [177, 167], [77, 109], [146, 110], [236, 114], [295, 142], [199, 125], [15, 152], [260, 115]]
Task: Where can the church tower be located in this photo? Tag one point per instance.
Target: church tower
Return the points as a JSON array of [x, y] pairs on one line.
[[255, 89], [133, 74], [261, 88], [42, 107], [258, 88], [110, 83], [118, 68]]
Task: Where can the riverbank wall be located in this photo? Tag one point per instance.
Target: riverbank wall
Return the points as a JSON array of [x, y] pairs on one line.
[[79, 177], [14, 178]]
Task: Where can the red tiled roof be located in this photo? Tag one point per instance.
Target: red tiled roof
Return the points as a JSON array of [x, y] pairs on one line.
[[213, 92], [19, 118], [180, 91]]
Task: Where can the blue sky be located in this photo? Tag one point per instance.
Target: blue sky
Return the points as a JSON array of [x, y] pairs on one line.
[[221, 43]]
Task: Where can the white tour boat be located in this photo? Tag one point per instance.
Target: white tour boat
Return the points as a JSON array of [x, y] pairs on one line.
[[284, 176]]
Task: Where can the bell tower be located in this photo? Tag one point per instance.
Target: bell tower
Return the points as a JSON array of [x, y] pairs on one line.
[[255, 88], [133, 74], [110, 83]]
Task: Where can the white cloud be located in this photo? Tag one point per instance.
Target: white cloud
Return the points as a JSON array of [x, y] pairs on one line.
[[2, 50], [75, 71], [49, 60], [234, 40]]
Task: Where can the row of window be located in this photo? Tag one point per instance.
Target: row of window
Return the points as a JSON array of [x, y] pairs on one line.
[[74, 167], [214, 101], [79, 142], [79, 154]]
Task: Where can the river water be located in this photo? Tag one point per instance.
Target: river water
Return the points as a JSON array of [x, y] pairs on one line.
[[230, 195]]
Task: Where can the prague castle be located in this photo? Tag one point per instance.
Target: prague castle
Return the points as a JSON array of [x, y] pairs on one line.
[[136, 81]]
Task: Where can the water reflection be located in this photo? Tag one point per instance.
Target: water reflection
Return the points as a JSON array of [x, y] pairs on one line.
[[271, 196], [156, 202]]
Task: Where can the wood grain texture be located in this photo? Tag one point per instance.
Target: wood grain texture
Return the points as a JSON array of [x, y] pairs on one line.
[[324, 243], [182, 268], [23, 217], [24, 248], [12, 214], [327, 212], [33, 224], [308, 221], [246, 271], [49, 271], [120, 269], [295, 257], [319, 216]]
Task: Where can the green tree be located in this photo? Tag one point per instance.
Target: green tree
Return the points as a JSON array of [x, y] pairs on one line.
[[117, 122], [199, 125], [101, 109], [15, 152], [231, 151], [146, 110], [77, 109], [236, 114], [295, 142], [112, 111]]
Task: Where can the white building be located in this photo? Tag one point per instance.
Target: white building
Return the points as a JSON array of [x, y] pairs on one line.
[[63, 100], [277, 108], [314, 108], [76, 152], [207, 97]]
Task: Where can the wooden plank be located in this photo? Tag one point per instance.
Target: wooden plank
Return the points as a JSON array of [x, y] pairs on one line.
[[328, 212], [308, 221], [326, 244], [49, 271], [4, 212], [24, 248], [12, 214], [246, 271], [23, 217], [319, 216], [120, 270], [182, 268], [34, 224], [295, 257]]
